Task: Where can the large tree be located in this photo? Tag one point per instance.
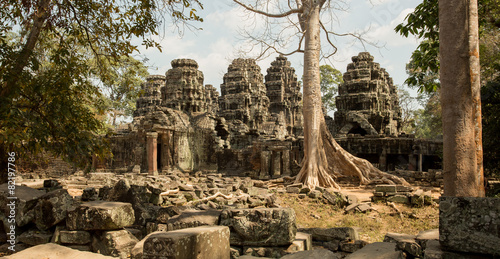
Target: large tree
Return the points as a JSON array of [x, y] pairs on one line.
[[324, 159], [460, 98], [47, 96]]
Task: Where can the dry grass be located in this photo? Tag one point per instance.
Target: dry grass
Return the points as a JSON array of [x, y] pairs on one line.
[[372, 225]]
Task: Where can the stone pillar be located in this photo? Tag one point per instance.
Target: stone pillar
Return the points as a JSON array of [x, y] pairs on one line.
[[412, 164], [151, 145], [382, 161], [264, 165], [276, 163], [420, 161], [286, 163]]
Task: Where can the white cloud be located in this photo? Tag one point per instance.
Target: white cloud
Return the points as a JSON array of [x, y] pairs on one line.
[[386, 34]]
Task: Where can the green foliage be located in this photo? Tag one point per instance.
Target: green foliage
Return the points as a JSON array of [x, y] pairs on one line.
[[423, 69], [490, 98], [330, 79], [121, 80], [53, 53], [407, 104], [428, 122]]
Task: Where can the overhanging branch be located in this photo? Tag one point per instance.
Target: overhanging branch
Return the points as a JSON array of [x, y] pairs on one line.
[[279, 15]]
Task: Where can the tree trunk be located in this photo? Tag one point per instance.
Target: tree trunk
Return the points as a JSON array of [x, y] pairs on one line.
[[324, 159], [460, 98]]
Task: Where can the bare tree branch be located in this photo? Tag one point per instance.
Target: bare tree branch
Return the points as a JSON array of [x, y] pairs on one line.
[[280, 15]]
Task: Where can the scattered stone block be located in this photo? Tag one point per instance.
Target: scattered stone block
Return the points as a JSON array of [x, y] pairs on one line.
[[352, 246], [55, 251], [313, 254], [405, 243], [200, 242], [195, 218], [403, 199], [90, 194], [335, 198], [101, 215], [76, 237], [314, 194], [425, 236], [34, 237], [260, 227], [52, 208], [470, 224], [118, 243], [292, 189], [330, 234], [386, 188], [27, 199], [377, 250]]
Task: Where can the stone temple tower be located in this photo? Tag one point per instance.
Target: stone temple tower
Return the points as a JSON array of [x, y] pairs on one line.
[[368, 103], [184, 89], [151, 95], [243, 94], [284, 95]]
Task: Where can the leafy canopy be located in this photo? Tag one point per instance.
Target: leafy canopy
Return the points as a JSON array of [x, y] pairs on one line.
[[330, 79], [53, 53]]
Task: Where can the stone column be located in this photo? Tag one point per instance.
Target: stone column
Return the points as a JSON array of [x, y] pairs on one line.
[[264, 164], [286, 163], [276, 166], [151, 150], [382, 161], [420, 162], [412, 164]]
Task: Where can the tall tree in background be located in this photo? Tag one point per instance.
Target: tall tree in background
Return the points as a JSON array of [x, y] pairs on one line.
[[324, 159], [47, 98], [331, 78]]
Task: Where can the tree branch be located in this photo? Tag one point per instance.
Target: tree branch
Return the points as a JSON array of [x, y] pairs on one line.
[[280, 15]]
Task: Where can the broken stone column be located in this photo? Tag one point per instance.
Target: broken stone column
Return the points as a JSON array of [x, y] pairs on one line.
[[200, 242]]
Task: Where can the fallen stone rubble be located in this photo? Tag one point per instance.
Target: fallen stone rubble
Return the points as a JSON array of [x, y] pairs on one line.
[[140, 216]]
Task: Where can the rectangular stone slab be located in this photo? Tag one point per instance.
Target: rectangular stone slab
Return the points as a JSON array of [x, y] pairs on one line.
[[260, 226], [191, 243], [470, 224], [101, 215]]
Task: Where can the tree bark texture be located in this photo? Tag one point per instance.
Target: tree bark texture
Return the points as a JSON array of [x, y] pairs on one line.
[[324, 159], [460, 98]]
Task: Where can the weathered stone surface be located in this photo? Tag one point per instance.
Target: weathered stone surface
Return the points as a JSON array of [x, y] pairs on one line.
[[26, 200], [52, 208], [378, 250], [90, 194], [352, 246], [329, 234], [434, 251], [200, 242], [405, 243], [100, 215], [313, 254], [425, 236], [260, 227], [35, 237], [469, 224], [77, 237], [195, 218], [55, 251], [118, 243]]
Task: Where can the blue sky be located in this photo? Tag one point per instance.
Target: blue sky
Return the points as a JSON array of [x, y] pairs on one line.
[[217, 44]]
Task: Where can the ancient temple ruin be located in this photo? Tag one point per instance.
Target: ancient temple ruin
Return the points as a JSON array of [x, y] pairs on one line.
[[367, 122], [255, 127]]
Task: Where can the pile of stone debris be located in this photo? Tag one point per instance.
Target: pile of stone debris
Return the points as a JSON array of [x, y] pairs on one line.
[[185, 216]]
